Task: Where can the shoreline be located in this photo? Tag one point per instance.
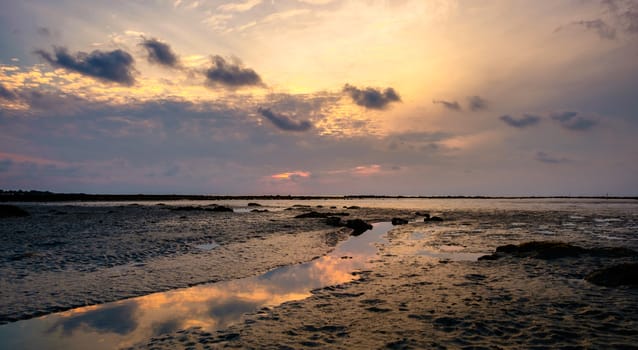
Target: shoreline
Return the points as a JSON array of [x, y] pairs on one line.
[[43, 196]]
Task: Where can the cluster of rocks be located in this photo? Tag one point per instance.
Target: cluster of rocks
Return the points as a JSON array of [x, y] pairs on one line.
[[358, 226]]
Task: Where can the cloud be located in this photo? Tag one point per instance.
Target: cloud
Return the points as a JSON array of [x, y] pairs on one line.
[[283, 122], [160, 53], [231, 75], [291, 175], [600, 27], [110, 66], [7, 94], [523, 122], [452, 105], [476, 103], [239, 6], [372, 98], [549, 159], [625, 12], [43, 31], [571, 121]]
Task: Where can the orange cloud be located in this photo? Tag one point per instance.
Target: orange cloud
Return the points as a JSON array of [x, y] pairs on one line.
[[290, 175], [366, 170]]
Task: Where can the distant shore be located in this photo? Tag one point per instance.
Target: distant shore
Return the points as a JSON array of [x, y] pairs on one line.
[[44, 196]]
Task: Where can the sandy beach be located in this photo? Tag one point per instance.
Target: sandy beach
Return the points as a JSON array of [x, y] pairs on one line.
[[418, 285]]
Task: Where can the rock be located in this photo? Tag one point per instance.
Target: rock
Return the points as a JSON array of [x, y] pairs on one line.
[[542, 250], [254, 204], [554, 250], [418, 213], [259, 211], [188, 208], [220, 208], [399, 221], [358, 226], [614, 276], [312, 214], [12, 211], [433, 218], [494, 256], [354, 207], [333, 221]]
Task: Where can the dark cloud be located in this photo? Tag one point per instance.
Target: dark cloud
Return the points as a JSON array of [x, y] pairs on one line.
[[476, 103], [549, 159], [43, 31], [7, 94], [452, 105], [372, 98], [160, 53], [284, 122], [625, 12], [572, 121], [111, 66], [523, 122], [600, 27], [231, 74]]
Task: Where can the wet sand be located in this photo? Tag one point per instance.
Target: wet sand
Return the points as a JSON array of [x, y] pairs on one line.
[[63, 257], [424, 288], [447, 301]]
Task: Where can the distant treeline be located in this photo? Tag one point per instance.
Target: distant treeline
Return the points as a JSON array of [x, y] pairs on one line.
[[46, 196]]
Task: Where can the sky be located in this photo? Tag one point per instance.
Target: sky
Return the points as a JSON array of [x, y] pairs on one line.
[[320, 97]]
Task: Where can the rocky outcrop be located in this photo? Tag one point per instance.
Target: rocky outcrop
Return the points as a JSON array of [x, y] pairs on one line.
[[358, 226], [12, 211], [399, 221], [555, 250], [615, 276], [432, 219], [312, 215]]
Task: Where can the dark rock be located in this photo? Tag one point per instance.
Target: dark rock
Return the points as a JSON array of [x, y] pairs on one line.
[[254, 205], [494, 256], [333, 207], [220, 208], [259, 211], [188, 208], [554, 250], [12, 211], [433, 218], [333, 221], [399, 221], [612, 252], [312, 214], [358, 226], [418, 213], [614, 276], [354, 207], [542, 250]]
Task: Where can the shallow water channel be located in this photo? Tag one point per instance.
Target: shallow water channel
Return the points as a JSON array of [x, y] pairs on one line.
[[212, 306]]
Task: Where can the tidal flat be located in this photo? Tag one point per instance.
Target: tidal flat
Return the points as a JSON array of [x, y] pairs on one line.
[[176, 275]]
